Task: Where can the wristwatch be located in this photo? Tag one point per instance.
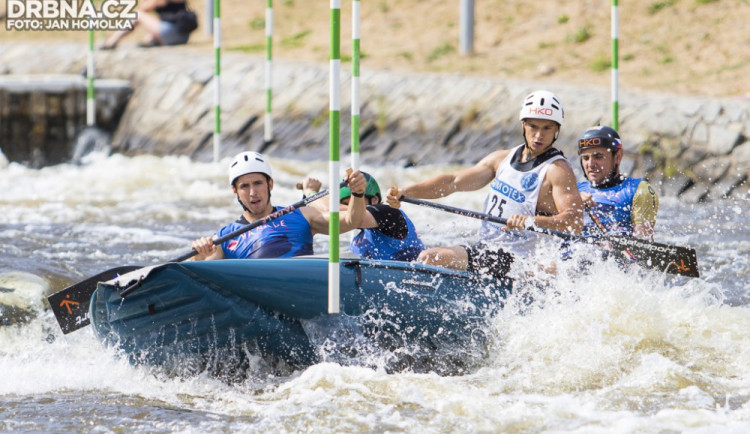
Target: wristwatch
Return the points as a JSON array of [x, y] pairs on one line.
[[529, 222]]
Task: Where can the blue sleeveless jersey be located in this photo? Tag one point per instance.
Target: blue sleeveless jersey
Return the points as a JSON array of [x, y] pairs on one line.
[[613, 206], [284, 237], [371, 243]]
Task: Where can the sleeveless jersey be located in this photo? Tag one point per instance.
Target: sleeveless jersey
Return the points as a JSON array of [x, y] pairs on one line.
[[284, 237], [515, 190], [614, 206], [383, 242]]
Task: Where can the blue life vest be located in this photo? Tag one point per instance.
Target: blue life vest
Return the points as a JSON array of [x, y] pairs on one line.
[[284, 237], [613, 206], [371, 243]]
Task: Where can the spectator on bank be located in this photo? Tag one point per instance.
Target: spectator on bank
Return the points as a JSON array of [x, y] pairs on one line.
[[171, 24]]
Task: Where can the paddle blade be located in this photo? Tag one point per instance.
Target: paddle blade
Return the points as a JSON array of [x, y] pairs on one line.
[[71, 305], [664, 257]]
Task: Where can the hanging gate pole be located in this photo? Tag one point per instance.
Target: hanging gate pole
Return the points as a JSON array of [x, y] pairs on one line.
[[268, 119], [615, 74], [334, 151]]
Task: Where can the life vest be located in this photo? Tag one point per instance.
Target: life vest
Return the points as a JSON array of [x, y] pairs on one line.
[[515, 190], [372, 243], [284, 237], [613, 206]]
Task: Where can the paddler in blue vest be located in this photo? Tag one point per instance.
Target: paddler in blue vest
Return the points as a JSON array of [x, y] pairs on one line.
[[290, 235], [386, 233], [615, 202], [530, 185]]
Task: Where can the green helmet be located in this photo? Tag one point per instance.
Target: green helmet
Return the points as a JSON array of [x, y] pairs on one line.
[[372, 189]]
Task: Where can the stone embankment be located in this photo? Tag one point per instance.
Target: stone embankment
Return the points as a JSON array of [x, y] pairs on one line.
[[693, 147]]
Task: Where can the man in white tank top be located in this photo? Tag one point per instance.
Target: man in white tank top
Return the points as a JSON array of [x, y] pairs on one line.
[[531, 185]]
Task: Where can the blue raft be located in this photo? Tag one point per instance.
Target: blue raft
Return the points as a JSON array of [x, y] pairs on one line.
[[230, 315]]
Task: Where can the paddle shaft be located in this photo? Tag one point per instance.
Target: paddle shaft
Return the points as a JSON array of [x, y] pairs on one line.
[[672, 259], [71, 304], [241, 231], [485, 217], [597, 222]]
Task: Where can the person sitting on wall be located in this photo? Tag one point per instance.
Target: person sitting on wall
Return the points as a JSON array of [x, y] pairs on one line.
[[171, 25]]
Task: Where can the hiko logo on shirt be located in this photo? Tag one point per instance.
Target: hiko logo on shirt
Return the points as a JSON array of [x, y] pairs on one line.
[[508, 191]]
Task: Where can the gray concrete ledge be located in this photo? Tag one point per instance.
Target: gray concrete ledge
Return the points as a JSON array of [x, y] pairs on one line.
[[690, 146]]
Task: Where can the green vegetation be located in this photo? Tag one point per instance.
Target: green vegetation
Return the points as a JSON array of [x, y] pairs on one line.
[[671, 169], [295, 41], [248, 48], [443, 50], [601, 63], [562, 19], [582, 35], [348, 57], [381, 119], [406, 55], [257, 23], [543, 45], [705, 2], [628, 57], [322, 117], [659, 6]]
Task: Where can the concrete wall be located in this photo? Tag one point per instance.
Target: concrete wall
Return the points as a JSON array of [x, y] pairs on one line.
[[42, 115], [693, 147]]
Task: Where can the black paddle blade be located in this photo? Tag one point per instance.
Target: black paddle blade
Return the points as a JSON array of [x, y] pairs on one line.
[[71, 305], [672, 259]]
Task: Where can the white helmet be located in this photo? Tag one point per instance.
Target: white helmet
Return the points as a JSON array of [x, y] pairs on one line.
[[248, 162], [542, 104]]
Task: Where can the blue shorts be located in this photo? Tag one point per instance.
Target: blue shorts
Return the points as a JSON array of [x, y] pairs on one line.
[[170, 35]]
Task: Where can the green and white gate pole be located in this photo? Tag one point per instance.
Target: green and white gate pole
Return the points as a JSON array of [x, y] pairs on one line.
[[615, 75], [334, 151], [90, 97], [268, 120], [355, 84], [217, 79]]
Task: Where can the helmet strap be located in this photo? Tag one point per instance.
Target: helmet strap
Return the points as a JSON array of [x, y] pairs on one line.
[[244, 208]]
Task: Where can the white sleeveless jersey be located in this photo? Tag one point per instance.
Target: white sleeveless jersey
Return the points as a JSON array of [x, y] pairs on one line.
[[514, 192]]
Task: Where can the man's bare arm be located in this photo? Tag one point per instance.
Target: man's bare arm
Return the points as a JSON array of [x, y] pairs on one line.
[[565, 201], [469, 179]]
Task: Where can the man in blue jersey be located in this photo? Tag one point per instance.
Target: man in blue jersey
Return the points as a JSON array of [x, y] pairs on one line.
[[386, 233], [289, 235], [615, 202], [530, 185]]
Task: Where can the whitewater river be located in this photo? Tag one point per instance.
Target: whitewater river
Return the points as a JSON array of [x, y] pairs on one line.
[[607, 352]]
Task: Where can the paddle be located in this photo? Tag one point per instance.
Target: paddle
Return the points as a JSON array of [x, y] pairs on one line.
[[672, 259], [71, 305]]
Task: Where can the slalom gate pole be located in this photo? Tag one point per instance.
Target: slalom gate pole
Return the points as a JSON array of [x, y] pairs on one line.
[[217, 79], [90, 97], [615, 73], [355, 84], [334, 151], [268, 119]]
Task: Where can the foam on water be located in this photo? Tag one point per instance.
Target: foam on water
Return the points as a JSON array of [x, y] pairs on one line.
[[611, 350]]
